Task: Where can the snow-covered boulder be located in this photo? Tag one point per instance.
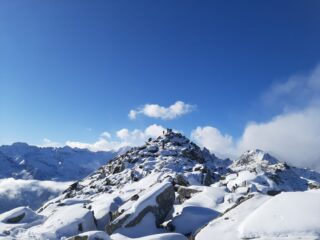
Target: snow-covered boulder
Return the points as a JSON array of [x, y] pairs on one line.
[[20, 217], [291, 214], [102, 207], [65, 221], [158, 200]]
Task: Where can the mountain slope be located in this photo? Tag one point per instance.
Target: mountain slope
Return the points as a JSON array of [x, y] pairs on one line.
[[167, 185]]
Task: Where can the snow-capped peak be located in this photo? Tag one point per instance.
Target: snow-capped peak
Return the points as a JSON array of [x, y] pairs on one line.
[[254, 158]]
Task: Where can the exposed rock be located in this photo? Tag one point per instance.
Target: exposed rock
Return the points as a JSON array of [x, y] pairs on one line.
[[273, 192], [185, 193], [180, 180], [194, 155], [207, 179], [79, 238], [16, 219], [134, 197]]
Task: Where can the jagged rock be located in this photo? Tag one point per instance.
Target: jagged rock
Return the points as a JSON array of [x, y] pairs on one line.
[[313, 185], [207, 179], [185, 193], [152, 149], [134, 197], [193, 154], [118, 168], [273, 192], [79, 238], [180, 180]]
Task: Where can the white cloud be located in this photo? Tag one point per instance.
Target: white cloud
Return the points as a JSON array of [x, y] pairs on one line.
[[124, 138], [101, 144], [292, 137], [105, 135], [212, 139], [154, 130], [298, 92], [177, 109], [133, 114], [123, 133]]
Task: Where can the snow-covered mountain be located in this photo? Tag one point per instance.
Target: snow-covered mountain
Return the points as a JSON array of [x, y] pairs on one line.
[[48, 163], [169, 188]]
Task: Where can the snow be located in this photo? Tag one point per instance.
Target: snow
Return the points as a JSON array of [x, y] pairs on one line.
[[64, 222], [226, 226], [291, 214], [200, 209], [163, 236], [192, 217], [209, 197]]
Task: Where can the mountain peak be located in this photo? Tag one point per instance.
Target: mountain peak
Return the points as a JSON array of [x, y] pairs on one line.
[[171, 155], [254, 158]]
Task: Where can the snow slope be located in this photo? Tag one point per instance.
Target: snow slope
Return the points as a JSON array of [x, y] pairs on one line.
[[226, 226], [290, 214]]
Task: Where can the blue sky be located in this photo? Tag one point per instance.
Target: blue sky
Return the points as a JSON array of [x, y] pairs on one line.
[[71, 70]]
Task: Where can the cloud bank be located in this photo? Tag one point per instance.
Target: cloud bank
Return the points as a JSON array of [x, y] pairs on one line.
[[124, 138], [292, 136], [176, 110]]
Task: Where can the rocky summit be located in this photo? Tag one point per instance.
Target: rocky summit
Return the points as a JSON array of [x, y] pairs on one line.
[[169, 188]]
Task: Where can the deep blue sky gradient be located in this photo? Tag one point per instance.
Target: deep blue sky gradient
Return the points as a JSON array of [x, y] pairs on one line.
[[66, 66]]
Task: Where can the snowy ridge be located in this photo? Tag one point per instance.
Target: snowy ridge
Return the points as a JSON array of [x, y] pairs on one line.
[[169, 188]]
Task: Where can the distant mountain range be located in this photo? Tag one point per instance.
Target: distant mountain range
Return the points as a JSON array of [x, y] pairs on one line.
[[31, 175], [23, 161]]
